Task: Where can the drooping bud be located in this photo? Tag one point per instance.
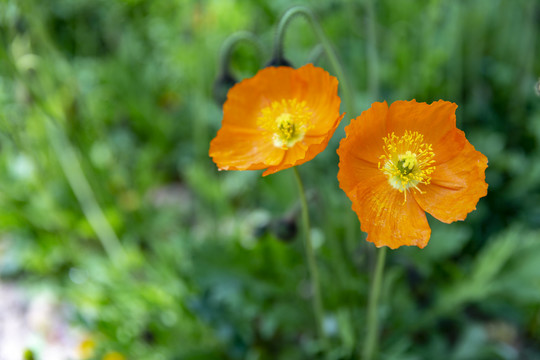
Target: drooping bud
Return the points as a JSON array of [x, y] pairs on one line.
[[225, 80], [279, 61]]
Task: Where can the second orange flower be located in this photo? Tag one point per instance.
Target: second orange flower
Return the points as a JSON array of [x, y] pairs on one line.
[[398, 162]]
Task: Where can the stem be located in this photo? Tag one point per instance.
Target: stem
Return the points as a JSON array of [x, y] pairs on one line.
[[370, 342], [327, 46], [229, 45], [372, 55], [310, 256], [315, 54], [225, 79]]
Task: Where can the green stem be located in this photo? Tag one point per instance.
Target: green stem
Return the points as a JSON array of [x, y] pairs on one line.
[[315, 54], [327, 46], [370, 341], [372, 55], [310, 256], [346, 89], [229, 46]]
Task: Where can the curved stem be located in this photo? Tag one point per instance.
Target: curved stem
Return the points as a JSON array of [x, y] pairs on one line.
[[315, 54], [372, 56], [229, 46], [370, 341], [310, 257], [327, 46]]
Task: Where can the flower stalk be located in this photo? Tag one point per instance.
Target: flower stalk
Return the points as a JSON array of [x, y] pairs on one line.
[[229, 46], [326, 44], [372, 324], [225, 79], [310, 257], [372, 55]]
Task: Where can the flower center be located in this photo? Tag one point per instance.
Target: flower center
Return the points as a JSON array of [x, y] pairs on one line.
[[407, 161], [288, 121]]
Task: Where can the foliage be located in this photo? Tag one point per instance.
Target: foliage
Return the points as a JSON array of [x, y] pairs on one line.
[[107, 193]]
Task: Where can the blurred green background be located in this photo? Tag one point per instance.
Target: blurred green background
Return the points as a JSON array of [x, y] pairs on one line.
[[109, 199]]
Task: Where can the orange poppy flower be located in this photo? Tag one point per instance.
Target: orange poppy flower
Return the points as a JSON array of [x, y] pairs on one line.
[[398, 162], [281, 117]]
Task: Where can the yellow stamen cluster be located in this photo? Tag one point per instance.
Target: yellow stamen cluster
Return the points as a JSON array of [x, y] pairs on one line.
[[288, 120], [407, 161]]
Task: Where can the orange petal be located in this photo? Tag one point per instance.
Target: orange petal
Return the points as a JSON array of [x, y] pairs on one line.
[[311, 82], [244, 149], [456, 185], [318, 89], [246, 99], [304, 150], [386, 218], [383, 214], [435, 121], [361, 148], [353, 173], [364, 135], [317, 144]]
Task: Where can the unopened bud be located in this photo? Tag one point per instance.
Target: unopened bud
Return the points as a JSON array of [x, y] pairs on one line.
[[279, 61]]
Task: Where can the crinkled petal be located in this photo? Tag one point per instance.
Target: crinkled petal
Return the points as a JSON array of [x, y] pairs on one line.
[[435, 121], [244, 149], [384, 214], [387, 218], [456, 185], [246, 99], [361, 148], [304, 150], [364, 135], [325, 108]]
